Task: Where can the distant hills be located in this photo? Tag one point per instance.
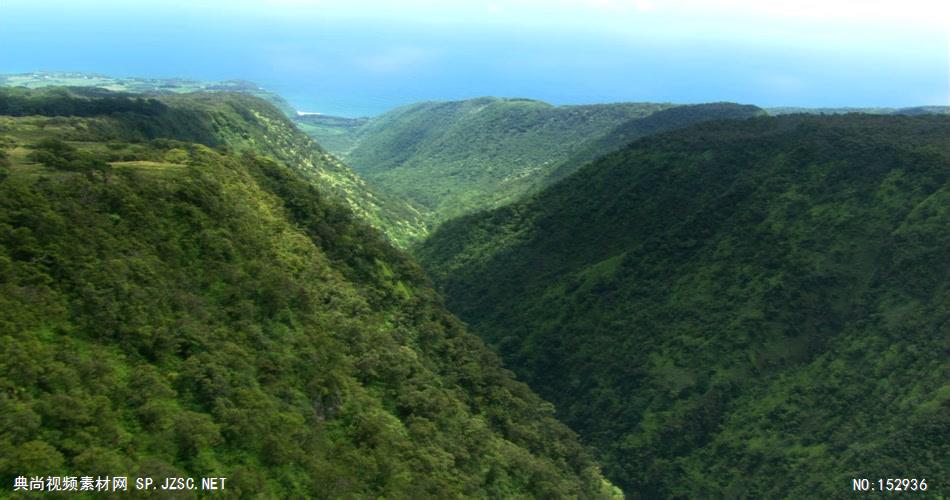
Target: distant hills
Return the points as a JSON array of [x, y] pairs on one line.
[[40, 79], [661, 121], [187, 292], [456, 157], [752, 308], [432, 161], [453, 158], [236, 121], [916, 110]]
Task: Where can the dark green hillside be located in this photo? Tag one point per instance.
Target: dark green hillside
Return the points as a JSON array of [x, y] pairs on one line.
[[748, 309], [453, 158], [235, 121], [923, 110], [172, 310], [655, 123]]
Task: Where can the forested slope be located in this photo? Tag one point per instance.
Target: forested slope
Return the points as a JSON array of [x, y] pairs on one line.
[[335, 133], [236, 121], [661, 121], [453, 158], [751, 308], [172, 310]]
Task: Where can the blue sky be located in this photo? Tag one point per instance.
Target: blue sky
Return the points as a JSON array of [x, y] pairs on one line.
[[362, 57]]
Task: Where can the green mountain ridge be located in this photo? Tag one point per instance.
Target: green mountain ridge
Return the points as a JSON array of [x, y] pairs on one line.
[[661, 121], [148, 86], [455, 157], [913, 110], [745, 309], [173, 310], [458, 157], [236, 121]]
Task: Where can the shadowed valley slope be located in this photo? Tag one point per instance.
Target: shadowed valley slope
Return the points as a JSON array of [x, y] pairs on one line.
[[751, 308], [173, 310]]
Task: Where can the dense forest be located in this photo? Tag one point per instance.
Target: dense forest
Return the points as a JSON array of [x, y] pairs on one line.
[[236, 122], [453, 158], [661, 121], [748, 309], [170, 309], [702, 300]]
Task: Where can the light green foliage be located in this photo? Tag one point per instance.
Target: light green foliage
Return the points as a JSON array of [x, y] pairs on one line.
[[452, 158], [192, 312], [337, 134], [233, 121], [747, 309]]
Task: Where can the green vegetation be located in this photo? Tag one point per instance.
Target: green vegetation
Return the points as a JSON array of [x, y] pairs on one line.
[[57, 101], [746, 309], [655, 123], [917, 110], [453, 158], [335, 133], [233, 121], [150, 86], [169, 309]]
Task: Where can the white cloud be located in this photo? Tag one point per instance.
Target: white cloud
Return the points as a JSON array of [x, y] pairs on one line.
[[644, 5], [295, 3], [897, 14], [395, 59], [920, 11], [927, 11]]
